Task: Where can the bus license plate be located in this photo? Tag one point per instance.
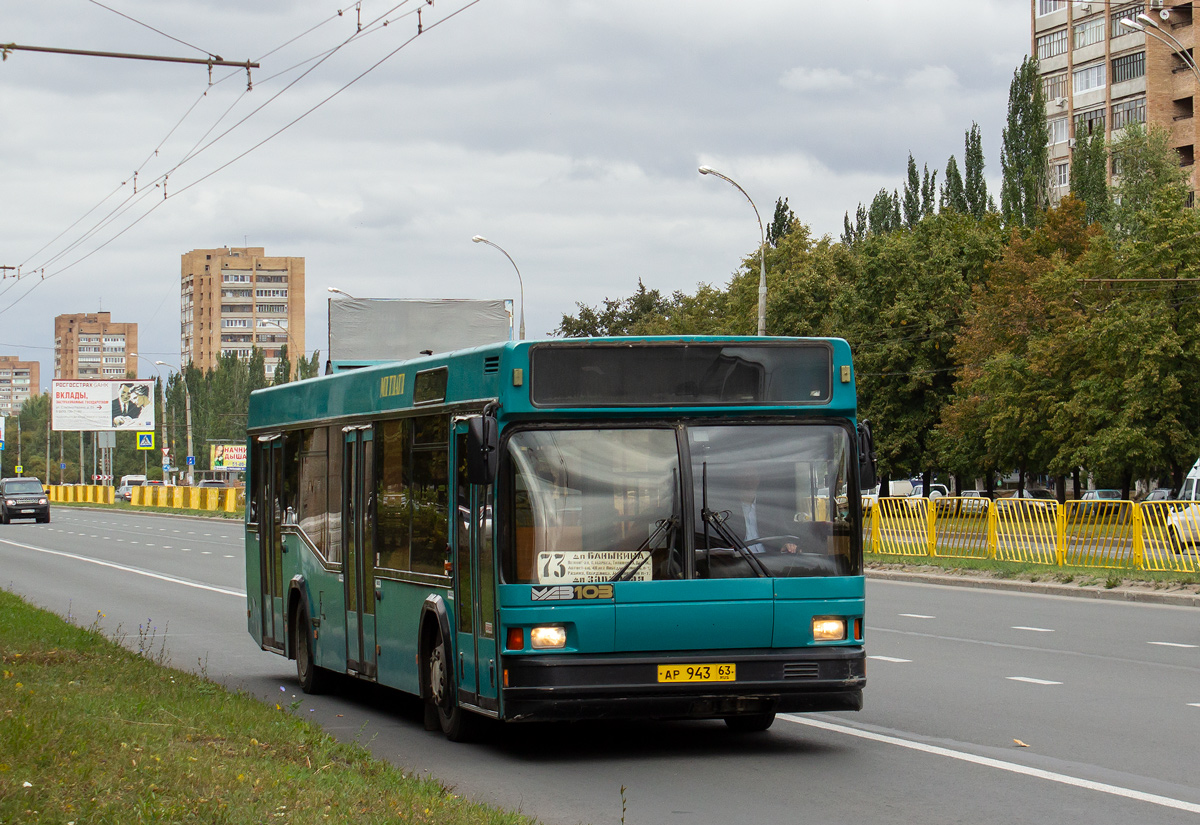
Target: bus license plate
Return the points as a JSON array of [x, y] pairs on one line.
[[697, 673]]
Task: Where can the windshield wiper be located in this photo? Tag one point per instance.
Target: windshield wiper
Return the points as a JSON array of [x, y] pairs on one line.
[[669, 526], [717, 521]]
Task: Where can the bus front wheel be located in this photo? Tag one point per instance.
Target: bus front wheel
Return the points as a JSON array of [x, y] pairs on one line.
[[750, 723], [455, 722], [313, 679]]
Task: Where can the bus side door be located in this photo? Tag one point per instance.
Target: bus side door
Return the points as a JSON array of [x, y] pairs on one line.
[[474, 585], [358, 490], [268, 492]]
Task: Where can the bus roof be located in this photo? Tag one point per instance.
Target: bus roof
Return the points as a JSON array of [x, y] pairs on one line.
[[618, 375]]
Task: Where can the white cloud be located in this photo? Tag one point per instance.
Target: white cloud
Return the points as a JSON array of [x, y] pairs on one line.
[[819, 80]]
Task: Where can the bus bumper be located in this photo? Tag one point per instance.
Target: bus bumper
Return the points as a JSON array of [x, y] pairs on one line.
[[621, 686]]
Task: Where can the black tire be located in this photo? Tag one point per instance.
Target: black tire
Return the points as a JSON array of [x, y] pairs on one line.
[[313, 679], [750, 723], [1176, 544], [457, 724]]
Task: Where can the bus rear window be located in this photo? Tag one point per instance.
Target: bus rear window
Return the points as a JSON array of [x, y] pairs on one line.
[[673, 374]]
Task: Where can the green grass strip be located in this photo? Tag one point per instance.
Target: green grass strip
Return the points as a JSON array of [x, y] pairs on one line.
[[91, 732], [1031, 571]]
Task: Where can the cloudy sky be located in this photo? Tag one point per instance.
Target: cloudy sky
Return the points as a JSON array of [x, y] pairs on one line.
[[566, 131]]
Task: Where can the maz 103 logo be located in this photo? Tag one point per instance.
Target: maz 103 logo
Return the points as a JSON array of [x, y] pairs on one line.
[[566, 592]]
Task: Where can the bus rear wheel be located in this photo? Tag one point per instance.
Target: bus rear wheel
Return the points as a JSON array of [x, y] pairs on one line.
[[313, 679], [750, 723], [456, 723]]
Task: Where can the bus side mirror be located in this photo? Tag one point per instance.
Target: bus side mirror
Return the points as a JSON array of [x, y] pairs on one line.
[[867, 476], [483, 449]]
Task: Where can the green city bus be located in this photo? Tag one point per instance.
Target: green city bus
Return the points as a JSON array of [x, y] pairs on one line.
[[664, 527]]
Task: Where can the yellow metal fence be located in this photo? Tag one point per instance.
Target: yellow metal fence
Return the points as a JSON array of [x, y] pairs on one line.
[[211, 499], [1158, 535]]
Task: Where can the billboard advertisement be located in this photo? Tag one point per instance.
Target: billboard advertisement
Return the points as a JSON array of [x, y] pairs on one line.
[[102, 405], [227, 456]]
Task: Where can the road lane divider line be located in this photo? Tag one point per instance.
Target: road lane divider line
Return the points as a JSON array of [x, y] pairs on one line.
[[1031, 680], [1034, 629], [917, 616], [999, 764], [1173, 644], [890, 659], [127, 569]]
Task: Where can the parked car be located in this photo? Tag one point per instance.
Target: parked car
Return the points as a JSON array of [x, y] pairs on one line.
[[974, 501], [23, 498], [1160, 494], [1099, 503]]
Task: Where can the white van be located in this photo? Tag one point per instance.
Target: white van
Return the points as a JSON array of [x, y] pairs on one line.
[[1183, 525], [133, 481]]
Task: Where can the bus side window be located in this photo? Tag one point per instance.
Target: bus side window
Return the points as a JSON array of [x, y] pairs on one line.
[[1188, 491]]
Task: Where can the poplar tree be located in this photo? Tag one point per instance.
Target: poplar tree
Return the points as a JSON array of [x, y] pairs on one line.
[[928, 192], [975, 187], [1024, 153], [953, 196], [912, 195], [1089, 176]]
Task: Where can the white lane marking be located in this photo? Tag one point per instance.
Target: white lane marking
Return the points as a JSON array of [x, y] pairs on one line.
[[1034, 629], [1031, 681], [1171, 644], [999, 764], [877, 658], [127, 569], [206, 552], [917, 616], [1194, 704]]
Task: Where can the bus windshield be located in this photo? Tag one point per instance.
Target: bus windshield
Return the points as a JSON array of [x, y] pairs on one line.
[[600, 505]]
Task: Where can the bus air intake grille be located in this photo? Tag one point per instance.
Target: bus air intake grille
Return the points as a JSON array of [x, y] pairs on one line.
[[801, 670], [491, 365]]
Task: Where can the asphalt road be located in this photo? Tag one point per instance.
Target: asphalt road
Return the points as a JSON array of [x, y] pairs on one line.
[[1105, 695]]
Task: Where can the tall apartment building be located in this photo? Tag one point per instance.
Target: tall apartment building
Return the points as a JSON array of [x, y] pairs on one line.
[[91, 345], [18, 380], [236, 299], [1100, 75]]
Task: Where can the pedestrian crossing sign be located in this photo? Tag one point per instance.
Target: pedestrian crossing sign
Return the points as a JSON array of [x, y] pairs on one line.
[[145, 441]]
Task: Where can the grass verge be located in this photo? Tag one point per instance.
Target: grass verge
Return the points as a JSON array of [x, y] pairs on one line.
[[91, 732], [236, 515], [1025, 571]]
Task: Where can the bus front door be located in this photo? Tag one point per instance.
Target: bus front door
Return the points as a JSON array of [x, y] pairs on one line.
[[474, 587], [269, 492], [358, 490]]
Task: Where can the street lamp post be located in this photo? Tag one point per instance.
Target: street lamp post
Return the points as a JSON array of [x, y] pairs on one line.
[[481, 239], [290, 340], [187, 406], [762, 260]]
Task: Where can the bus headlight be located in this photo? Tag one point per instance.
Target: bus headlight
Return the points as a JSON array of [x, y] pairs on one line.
[[547, 637], [827, 629]]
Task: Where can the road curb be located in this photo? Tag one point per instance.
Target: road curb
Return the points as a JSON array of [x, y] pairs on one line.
[[1124, 594]]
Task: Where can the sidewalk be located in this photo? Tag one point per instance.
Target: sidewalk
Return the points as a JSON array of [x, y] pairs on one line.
[[1178, 595]]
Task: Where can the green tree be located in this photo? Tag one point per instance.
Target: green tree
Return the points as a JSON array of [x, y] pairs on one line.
[[978, 202], [1148, 179], [781, 223], [928, 192], [1089, 176], [953, 195], [912, 194], [1024, 153]]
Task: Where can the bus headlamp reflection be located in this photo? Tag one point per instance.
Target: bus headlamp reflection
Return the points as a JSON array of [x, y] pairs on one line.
[[548, 637]]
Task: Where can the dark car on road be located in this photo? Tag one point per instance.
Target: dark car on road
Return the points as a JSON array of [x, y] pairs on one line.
[[23, 498]]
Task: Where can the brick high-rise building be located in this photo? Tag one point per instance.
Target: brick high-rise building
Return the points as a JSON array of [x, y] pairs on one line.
[[1100, 75], [91, 346], [18, 380], [235, 299]]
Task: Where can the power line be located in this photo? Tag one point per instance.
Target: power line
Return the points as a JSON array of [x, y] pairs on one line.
[[151, 28]]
